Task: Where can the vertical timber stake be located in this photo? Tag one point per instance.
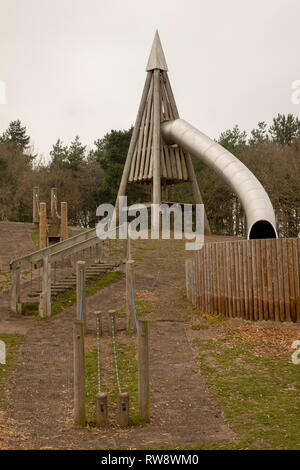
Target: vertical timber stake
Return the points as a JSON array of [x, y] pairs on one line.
[[80, 293], [79, 373], [130, 320], [143, 366], [64, 235], [43, 225]]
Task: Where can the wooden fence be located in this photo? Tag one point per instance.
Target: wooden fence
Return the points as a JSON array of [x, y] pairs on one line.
[[250, 279]]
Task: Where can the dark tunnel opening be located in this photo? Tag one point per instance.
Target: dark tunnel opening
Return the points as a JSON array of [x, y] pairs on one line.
[[262, 229]]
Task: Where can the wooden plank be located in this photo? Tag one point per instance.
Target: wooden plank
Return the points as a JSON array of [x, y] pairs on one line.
[[280, 280], [219, 279], [149, 147], [287, 303], [173, 163], [229, 280], [254, 277], [245, 278], [250, 279], [163, 164], [178, 163], [296, 256], [213, 278], [132, 168], [291, 275], [237, 279], [224, 277], [146, 130], [184, 165], [275, 280], [264, 275], [156, 139], [259, 280], [168, 163], [139, 148], [205, 278], [269, 243], [132, 145], [233, 282]]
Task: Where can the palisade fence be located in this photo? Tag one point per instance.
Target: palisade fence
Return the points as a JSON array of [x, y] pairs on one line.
[[250, 279]]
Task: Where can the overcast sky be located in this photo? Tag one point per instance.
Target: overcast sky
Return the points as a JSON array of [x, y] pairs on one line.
[[77, 67]]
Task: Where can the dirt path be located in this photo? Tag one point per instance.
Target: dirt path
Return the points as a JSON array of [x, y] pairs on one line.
[[40, 391]]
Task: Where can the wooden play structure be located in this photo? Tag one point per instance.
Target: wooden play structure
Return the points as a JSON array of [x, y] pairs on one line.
[[54, 228], [255, 279]]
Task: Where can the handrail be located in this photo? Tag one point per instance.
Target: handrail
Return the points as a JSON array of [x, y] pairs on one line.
[[50, 250], [60, 249]]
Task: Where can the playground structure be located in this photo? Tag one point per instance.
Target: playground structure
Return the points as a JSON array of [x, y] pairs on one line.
[[159, 154], [160, 148], [54, 228]]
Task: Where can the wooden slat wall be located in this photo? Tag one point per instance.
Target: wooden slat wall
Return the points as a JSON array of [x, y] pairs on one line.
[[250, 279]]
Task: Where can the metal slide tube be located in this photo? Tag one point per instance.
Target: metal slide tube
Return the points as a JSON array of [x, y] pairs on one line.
[[258, 208]]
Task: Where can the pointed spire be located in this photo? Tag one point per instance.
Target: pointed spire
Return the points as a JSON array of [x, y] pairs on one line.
[[157, 57]]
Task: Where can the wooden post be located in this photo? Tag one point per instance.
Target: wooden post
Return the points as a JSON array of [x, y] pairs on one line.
[[111, 317], [79, 373], [123, 409], [101, 409], [53, 197], [64, 235], [130, 320], [80, 291], [99, 250], [15, 290], [35, 206], [156, 141], [99, 317], [45, 297], [143, 366], [43, 225], [123, 184]]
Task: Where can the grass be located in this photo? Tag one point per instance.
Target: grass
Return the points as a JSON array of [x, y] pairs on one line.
[[143, 307], [69, 298], [128, 374], [35, 236], [12, 343], [259, 396], [5, 279]]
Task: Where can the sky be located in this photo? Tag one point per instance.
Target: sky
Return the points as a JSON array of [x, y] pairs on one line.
[[77, 67]]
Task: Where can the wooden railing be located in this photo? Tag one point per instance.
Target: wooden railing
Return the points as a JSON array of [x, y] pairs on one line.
[[57, 262], [250, 279]]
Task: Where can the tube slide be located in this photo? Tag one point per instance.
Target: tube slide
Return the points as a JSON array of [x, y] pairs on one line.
[[258, 208]]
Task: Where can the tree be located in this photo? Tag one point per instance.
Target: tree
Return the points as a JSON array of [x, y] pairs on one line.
[[285, 129], [233, 139], [110, 153], [59, 153], [70, 157], [260, 134], [16, 135], [76, 154]]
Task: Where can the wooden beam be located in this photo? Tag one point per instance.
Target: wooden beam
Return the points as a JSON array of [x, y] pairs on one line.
[[123, 184], [156, 139]]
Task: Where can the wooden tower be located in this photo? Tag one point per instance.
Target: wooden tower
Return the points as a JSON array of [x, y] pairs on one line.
[[149, 159]]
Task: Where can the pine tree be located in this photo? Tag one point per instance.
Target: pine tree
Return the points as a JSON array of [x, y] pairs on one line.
[[16, 136]]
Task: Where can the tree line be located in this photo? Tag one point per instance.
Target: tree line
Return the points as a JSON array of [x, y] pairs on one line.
[[86, 178]]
